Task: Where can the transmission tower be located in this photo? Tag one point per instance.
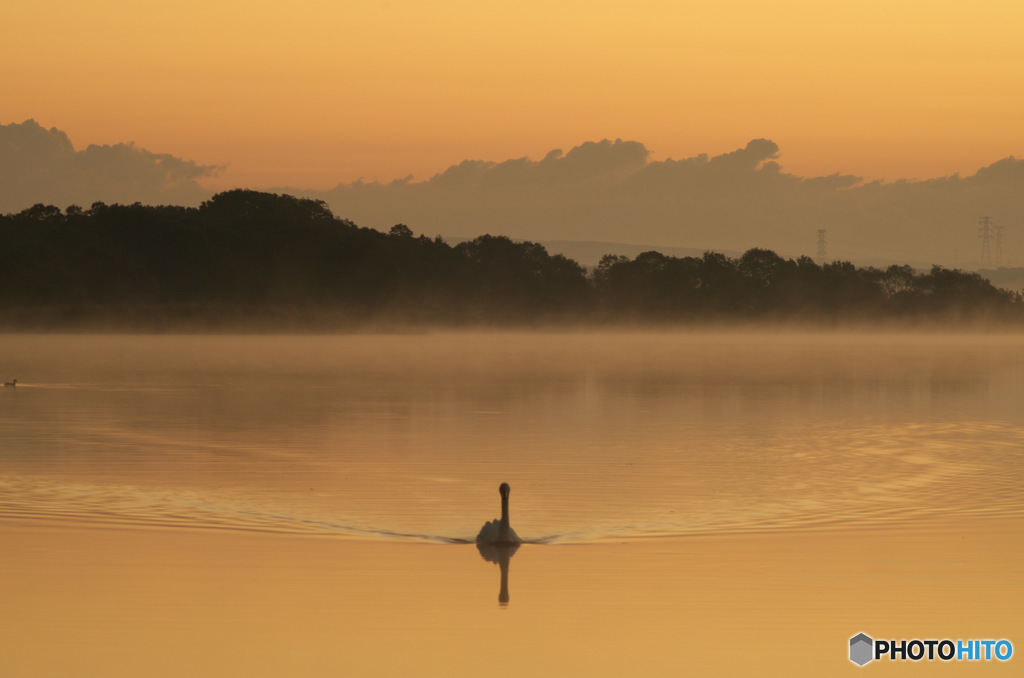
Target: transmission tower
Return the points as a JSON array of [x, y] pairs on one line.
[[986, 236], [821, 245]]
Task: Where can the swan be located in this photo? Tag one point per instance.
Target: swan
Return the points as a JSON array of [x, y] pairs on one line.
[[11, 383], [499, 532]]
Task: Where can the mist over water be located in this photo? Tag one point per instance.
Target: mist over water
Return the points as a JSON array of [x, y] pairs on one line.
[[600, 435]]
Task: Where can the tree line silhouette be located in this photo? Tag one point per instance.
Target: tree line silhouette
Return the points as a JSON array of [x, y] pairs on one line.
[[247, 256]]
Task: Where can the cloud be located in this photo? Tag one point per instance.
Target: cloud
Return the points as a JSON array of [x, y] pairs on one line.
[[42, 166], [608, 191], [611, 191], [587, 163]]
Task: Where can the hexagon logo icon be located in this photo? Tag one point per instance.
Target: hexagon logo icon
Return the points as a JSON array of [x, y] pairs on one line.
[[861, 649]]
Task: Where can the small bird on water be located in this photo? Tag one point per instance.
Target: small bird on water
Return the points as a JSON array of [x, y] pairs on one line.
[[498, 532], [11, 383]]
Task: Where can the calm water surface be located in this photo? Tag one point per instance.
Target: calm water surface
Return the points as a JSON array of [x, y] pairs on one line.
[[285, 506], [600, 435]]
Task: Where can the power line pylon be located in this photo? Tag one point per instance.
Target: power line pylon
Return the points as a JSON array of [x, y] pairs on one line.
[[821, 245], [986, 236]]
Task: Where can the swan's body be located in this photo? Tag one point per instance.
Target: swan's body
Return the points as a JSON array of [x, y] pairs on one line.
[[11, 383], [498, 532]]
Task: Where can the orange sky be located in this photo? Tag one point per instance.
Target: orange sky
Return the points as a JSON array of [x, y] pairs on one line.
[[311, 93]]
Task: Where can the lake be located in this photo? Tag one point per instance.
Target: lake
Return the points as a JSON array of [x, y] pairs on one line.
[[727, 502]]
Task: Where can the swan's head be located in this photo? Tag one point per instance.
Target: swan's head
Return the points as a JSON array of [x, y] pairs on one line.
[[504, 489]]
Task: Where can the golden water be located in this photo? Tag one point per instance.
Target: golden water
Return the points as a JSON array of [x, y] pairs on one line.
[[309, 489]]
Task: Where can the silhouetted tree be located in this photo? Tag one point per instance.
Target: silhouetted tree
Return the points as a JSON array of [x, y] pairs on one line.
[[251, 255]]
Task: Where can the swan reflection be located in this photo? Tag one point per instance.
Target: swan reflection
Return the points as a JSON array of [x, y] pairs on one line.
[[500, 555]]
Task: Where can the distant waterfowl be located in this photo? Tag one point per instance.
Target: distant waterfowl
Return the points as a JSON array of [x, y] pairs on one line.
[[499, 532], [11, 383]]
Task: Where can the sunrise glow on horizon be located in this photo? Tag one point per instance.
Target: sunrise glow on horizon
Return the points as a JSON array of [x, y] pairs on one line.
[[312, 94]]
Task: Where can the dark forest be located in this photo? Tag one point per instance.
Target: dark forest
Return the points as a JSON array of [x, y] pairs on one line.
[[253, 260]]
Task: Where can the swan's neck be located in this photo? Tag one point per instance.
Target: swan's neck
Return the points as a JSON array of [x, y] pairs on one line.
[[504, 513]]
